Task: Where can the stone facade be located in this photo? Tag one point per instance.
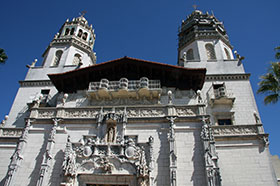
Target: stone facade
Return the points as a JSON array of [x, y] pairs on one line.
[[145, 128]]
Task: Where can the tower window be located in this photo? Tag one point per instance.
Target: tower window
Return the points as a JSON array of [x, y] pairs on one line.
[[80, 33], [67, 30], [190, 54], [224, 122], [219, 90], [57, 58], [85, 36], [77, 59], [227, 53], [45, 98], [72, 31], [210, 51]]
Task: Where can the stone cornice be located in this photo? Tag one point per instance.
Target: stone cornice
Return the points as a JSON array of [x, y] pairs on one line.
[[239, 132], [10, 132], [35, 83], [131, 112], [224, 77]]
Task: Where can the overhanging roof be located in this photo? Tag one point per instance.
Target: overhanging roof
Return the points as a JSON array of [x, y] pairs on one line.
[[132, 69]]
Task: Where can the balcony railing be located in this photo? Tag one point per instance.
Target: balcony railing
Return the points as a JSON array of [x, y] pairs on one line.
[[220, 95], [125, 84]]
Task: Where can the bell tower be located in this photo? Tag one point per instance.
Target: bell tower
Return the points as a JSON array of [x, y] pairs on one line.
[[72, 45], [204, 43]]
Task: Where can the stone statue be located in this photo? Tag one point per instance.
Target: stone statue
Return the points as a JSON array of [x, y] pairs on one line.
[[111, 134], [169, 93]]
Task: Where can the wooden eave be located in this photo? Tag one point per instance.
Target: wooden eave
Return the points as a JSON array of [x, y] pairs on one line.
[[132, 69]]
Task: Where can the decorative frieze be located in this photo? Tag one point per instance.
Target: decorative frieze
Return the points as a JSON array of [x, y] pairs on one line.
[[46, 113], [145, 112], [80, 113], [11, 132], [235, 130], [183, 111], [130, 112]]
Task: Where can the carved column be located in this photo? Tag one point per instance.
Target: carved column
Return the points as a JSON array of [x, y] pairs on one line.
[[47, 155], [124, 122], [172, 152], [69, 164], [100, 118], [212, 170], [17, 157], [152, 160]]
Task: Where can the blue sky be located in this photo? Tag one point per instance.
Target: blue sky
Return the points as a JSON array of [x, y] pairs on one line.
[[145, 29]]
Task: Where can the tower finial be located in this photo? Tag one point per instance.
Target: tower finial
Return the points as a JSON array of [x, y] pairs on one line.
[[83, 13], [195, 7]]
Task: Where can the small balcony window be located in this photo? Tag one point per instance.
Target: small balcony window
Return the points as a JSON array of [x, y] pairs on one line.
[[224, 122]]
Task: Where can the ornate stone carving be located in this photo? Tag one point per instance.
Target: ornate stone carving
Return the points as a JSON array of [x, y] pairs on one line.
[[17, 156], [10, 132], [210, 154], [46, 113], [80, 113], [233, 130], [69, 163], [185, 112], [89, 156], [172, 151], [154, 112]]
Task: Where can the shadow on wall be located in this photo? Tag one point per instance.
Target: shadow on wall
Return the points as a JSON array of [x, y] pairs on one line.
[[162, 161], [34, 176], [198, 176], [56, 176], [20, 119]]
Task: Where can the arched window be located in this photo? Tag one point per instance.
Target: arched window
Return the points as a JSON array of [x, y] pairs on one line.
[[85, 36], [57, 58], [77, 59], [210, 51], [67, 30], [190, 54], [72, 31], [227, 53], [80, 33]]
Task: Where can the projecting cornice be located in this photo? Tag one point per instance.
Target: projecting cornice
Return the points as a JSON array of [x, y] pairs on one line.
[[37, 83], [225, 77]]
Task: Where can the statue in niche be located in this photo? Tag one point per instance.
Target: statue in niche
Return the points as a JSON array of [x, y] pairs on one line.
[[111, 134]]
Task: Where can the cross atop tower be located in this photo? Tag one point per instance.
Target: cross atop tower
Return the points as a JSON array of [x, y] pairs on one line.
[[83, 13], [195, 6]]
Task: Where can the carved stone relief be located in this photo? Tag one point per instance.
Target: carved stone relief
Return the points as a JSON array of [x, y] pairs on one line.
[[89, 156], [185, 112], [145, 112], [235, 130], [46, 113]]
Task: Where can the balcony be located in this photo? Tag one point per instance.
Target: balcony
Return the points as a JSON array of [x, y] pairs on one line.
[[124, 88], [220, 96]]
